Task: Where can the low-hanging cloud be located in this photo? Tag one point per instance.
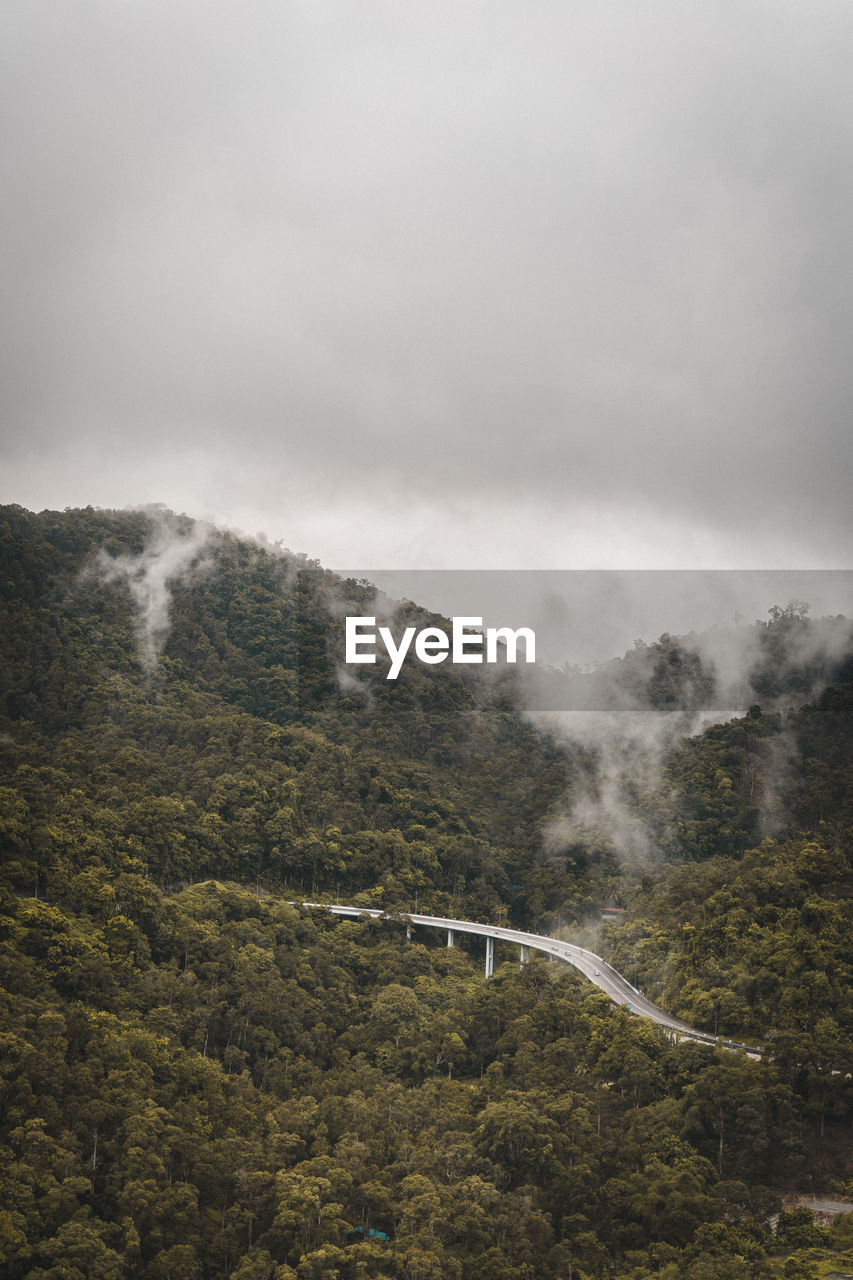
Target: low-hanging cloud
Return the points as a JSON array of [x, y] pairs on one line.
[[173, 554], [624, 796]]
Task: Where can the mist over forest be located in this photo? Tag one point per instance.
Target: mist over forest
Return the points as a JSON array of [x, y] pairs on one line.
[[200, 1077]]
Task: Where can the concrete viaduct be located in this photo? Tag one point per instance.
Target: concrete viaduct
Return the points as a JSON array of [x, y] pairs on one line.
[[593, 967]]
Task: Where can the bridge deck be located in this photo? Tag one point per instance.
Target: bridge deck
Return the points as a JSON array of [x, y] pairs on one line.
[[593, 967]]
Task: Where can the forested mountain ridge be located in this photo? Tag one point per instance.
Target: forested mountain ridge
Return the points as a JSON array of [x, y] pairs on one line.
[[201, 1081], [235, 661], [240, 753]]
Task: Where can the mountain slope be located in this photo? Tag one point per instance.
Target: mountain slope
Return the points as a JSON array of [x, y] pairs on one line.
[[197, 1079]]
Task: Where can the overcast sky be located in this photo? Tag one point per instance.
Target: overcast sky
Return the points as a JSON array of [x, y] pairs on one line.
[[526, 283]]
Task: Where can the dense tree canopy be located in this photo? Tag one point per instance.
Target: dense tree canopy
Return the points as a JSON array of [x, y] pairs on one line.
[[199, 1078]]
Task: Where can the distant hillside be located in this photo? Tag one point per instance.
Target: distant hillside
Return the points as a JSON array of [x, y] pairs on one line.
[[780, 663]]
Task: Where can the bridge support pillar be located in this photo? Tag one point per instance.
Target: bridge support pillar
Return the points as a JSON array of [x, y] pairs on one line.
[[525, 953], [490, 957], [409, 932], [450, 936]]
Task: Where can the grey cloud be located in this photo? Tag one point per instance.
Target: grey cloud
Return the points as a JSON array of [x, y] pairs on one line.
[[548, 258]]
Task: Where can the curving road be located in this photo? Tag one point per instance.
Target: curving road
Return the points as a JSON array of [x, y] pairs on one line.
[[593, 967]]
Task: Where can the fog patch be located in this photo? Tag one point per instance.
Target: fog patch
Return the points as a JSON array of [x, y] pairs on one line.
[[623, 727], [349, 686], [174, 553], [626, 752]]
